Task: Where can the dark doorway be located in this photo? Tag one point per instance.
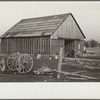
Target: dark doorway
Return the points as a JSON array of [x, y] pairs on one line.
[[69, 46]]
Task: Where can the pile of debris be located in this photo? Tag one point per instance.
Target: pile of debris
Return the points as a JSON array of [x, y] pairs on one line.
[[67, 75], [43, 70]]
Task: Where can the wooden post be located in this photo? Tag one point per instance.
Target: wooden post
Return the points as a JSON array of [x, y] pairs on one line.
[[59, 63]]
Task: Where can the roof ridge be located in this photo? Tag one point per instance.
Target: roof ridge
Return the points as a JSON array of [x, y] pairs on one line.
[[46, 16]]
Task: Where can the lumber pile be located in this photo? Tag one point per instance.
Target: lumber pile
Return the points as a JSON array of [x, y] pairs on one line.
[[75, 75]]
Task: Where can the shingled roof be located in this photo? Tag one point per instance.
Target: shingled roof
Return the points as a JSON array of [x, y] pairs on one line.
[[41, 26]]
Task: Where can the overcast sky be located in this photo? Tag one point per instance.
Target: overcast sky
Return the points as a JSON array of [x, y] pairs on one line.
[[87, 14]]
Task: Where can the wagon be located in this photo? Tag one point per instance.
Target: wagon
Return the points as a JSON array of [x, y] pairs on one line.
[[22, 63]]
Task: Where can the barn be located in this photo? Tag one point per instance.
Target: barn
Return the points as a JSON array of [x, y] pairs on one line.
[[44, 35]]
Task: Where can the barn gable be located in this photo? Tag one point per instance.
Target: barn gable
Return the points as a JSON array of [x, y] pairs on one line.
[[69, 29], [44, 35]]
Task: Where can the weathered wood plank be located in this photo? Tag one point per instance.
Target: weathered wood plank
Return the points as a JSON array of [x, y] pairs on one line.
[[59, 63], [74, 74]]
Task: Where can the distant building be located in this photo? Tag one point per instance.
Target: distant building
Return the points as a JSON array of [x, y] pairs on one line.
[[44, 35]]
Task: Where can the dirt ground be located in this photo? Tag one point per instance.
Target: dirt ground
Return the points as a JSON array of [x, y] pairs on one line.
[[87, 67]]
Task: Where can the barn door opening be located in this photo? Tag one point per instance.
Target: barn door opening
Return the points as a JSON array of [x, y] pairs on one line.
[[69, 46]]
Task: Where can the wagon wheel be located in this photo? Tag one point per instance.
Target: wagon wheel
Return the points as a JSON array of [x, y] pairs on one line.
[[3, 64], [24, 63], [11, 61]]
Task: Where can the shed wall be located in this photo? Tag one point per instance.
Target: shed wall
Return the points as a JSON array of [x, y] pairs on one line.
[[30, 45], [79, 49], [67, 46], [56, 44]]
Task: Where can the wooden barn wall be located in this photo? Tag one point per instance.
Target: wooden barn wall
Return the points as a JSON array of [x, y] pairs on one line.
[[68, 30], [2, 46], [55, 45], [79, 51], [30, 45], [67, 47]]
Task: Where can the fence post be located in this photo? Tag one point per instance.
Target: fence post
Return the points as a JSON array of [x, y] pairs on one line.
[[59, 63]]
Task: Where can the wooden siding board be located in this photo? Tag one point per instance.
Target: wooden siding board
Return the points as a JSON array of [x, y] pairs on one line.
[[39, 44], [44, 45], [35, 47], [20, 46], [15, 45], [5, 46], [26, 45], [2, 45], [23, 45], [47, 45], [12, 46], [30, 46], [39, 40], [8, 46], [6, 51]]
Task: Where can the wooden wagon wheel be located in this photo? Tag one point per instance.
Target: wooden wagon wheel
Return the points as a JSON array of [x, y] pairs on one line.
[[3, 64], [11, 61], [24, 63]]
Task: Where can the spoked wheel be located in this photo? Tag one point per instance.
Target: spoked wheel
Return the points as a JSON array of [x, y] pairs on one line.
[[3, 64], [24, 63], [11, 61]]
